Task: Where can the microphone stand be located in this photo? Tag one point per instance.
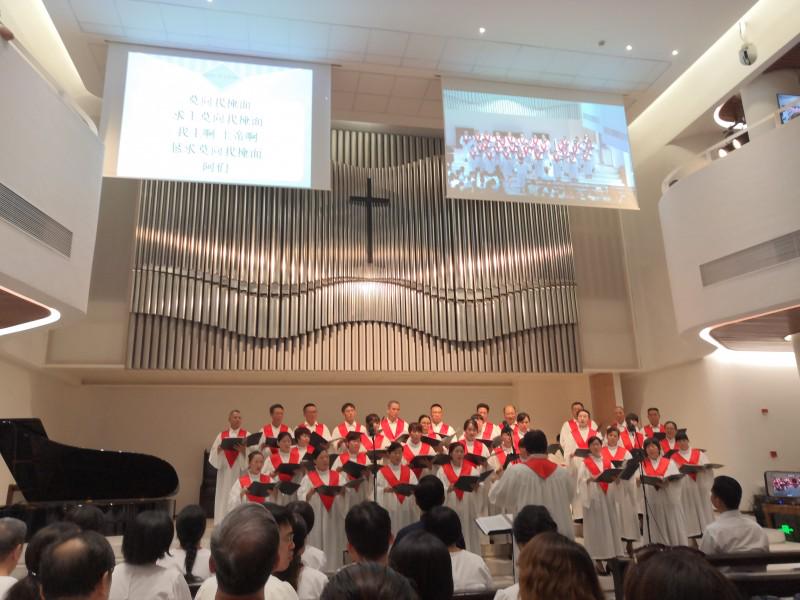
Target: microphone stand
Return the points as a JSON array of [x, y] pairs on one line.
[[644, 488], [371, 433]]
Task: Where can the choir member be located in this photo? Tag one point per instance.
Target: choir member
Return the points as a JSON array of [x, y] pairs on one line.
[[302, 438], [619, 418], [378, 441], [664, 522], [349, 424], [329, 511], [427, 425], [624, 491], [438, 426], [415, 447], [466, 503], [670, 430], [402, 509], [488, 430], [352, 452], [696, 487], [602, 536], [497, 462], [274, 427], [572, 423], [228, 463], [284, 454], [510, 416], [311, 423], [654, 418], [578, 439], [470, 440], [239, 494], [537, 481], [631, 437], [392, 425], [523, 426]]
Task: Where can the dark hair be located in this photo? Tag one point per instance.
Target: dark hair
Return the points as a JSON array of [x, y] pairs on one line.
[[148, 537], [481, 405], [12, 535], [74, 567], [677, 574], [419, 419], [372, 418], [429, 493], [522, 416], [274, 406], [368, 581], [631, 417], [244, 548], [299, 534], [283, 434], [281, 514], [27, 588], [593, 438], [190, 525], [305, 510], [454, 446], [415, 426], [673, 423], [368, 528], [576, 403], [301, 431], [612, 429], [653, 408], [551, 553], [425, 561], [435, 405], [651, 442], [469, 422], [728, 490], [444, 523], [532, 520], [88, 517], [588, 414], [681, 435], [347, 405], [393, 446], [534, 441], [308, 405], [353, 436], [252, 455]]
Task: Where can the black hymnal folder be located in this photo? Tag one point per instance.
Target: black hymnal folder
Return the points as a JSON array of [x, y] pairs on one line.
[[467, 482], [475, 459], [354, 469], [441, 459], [269, 442], [260, 489], [608, 476], [669, 453], [254, 438], [630, 468], [582, 452], [231, 443], [289, 468], [318, 441], [553, 448], [376, 455], [510, 458], [421, 462], [404, 489], [288, 487], [432, 442], [659, 435]]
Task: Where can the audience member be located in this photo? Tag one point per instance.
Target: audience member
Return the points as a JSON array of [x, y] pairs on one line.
[[529, 522], [307, 581], [368, 528], [147, 539], [12, 536], [428, 494], [277, 588], [190, 559], [470, 573], [677, 573], [732, 531], [553, 566], [77, 568], [368, 581], [88, 517], [425, 561], [312, 556], [28, 587]]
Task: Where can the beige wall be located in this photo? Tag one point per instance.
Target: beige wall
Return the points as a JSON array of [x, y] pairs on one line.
[[720, 404]]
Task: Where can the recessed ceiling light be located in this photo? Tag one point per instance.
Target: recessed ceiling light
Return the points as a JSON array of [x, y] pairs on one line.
[[722, 153], [481, 30], [674, 53], [628, 47], [736, 144]]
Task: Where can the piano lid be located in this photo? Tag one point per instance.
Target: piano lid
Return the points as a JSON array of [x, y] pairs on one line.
[[47, 471]]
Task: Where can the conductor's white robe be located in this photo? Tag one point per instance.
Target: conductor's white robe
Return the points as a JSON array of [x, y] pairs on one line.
[[667, 520], [328, 533], [227, 474], [696, 495], [602, 536], [520, 486], [402, 513], [467, 507]]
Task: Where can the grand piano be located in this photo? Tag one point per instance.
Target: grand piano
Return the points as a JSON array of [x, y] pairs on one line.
[[54, 478]]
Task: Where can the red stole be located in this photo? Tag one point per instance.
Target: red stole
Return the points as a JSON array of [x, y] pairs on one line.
[[318, 428], [488, 430], [389, 476], [618, 455], [576, 435], [361, 458], [648, 430], [625, 438], [665, 447], [694, 459], [543, 467], [477, 447], [387, 429], [515, 438], [269, 432], [232, 455], [595, 470], [440, 428], [316, 481], [408, 455], [245, 481], [367, 442], [501, 455], [658, 471], [294, 458], [452, 477], [343, 430]]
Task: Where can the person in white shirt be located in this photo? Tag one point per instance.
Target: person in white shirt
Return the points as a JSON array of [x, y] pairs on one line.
[[578, 439], [349, 424], [424, 559], [285, 454], [228, 463], [190, 559], [312, 556], [352, 453], [732, 531], [78, 568], [438, 426], [12, 537], [147, 539], [470, 573], [311, 423], [368, 528], [392, 426], [308, 582], [274, 427]]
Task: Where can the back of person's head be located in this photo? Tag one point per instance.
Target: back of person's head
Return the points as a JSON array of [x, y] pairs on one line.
[[299, 535], [368, 581], [305, 510], [281, 514], [535, 442], [424, 559], [148, 537], [444, 523], [429, 493], [75, 567], [88, 517], [190, 526], [244, 548], [12, 536], [677, 573], [553, 566], [368, 528], [728, 491], [532, 520], [27, 588]]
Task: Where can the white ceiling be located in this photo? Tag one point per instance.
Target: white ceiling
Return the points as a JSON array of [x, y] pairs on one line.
[[389, 53]]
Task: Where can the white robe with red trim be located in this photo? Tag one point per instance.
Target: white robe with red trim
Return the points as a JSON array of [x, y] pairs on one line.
[[570, 445], [227, 474], [443, 429], [392, 431], [328, 533], [365, 490], [667, 519], [235, 497], [696, 495], [625, 495], [602, 535], [467, 507], [272, 462], [402, 513]]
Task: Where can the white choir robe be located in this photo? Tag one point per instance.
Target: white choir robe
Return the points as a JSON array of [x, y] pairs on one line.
[[270, 469], [468, 509], [565, 431], [570, 445], [402, 513], [479, 449], [235, 497], [273, 433], [667, 520], [626, 497], [393, 430], [328, 533], [520, 486], [227, 475], [443, 429], [495, 463], [319, 428], [364, 491], [696, 498], [489, 431], [602, 536], [343, 428], [411, 451]]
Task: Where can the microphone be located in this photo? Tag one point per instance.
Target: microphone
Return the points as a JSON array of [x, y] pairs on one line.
[[371, 429], [631, 427]]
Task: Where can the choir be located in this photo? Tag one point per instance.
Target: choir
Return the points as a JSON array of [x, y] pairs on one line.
[[627, 485]]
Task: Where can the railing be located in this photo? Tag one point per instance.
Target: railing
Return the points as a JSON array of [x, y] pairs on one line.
[[724, 147]]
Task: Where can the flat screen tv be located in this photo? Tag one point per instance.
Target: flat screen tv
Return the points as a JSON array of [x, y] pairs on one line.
[[791, 112], [782, 484]]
